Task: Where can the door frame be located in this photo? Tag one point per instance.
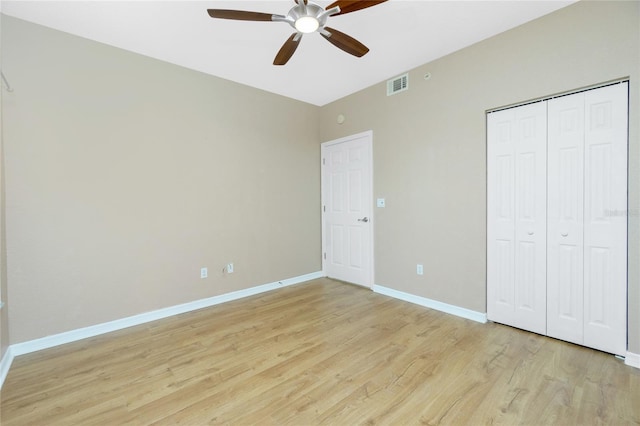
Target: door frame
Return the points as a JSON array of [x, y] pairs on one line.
[[323, 147]]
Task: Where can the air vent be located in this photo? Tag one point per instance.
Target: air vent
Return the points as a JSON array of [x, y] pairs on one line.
[[398, 84]]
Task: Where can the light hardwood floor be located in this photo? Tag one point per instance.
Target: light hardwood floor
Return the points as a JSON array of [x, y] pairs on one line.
[[319, 353]]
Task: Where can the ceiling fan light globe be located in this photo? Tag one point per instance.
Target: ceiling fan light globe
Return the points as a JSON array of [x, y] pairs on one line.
[[307, 24]]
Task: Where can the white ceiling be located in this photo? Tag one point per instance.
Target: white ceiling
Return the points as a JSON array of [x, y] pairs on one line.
[[402, 34]]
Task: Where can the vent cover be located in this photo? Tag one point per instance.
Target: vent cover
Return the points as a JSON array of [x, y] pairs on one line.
[[398, 84]]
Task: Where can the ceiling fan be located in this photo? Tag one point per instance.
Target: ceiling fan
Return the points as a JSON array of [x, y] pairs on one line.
[[307, 17]]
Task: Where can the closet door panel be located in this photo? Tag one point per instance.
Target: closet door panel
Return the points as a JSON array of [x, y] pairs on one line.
[[530, 216], [605, 230], [565, 220], [516, 290], [500, 216]]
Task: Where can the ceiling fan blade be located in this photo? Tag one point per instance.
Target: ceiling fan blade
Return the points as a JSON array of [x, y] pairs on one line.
[[287, 50], [348, 6], [239, 15], [346, 43]]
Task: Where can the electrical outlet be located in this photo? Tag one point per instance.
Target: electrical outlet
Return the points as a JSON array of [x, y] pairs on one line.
[[229, 268], [204, 273], [419, 269]]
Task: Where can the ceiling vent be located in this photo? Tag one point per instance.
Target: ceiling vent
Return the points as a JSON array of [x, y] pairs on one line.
[[398, 84]]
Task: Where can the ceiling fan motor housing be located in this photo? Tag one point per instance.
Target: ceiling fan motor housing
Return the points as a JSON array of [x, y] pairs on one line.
[[309, 11]]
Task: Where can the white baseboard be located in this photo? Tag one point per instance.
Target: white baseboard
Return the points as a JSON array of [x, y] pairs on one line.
[[433, 304], [632, 360], [107, 327], [5, 364]]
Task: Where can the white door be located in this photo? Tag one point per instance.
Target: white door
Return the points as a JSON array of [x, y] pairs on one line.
[[516, 217], [565, 222], [587, 223], [347, 205], [605, 217]]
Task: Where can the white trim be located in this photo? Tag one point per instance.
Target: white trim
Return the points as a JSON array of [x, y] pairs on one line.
[[433, 304], [5, 364], [107, 327], [560, 94], [632, 360], [368, 133]]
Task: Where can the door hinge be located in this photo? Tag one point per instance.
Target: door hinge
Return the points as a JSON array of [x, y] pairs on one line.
[[324, 209], [324, 161], [325, 256]]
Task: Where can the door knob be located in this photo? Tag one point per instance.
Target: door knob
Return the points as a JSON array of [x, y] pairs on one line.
[[564, 234], [364, 219], [530, 233]]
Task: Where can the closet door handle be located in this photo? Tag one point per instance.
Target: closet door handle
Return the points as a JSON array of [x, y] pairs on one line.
[[530, 233], [564, 234]]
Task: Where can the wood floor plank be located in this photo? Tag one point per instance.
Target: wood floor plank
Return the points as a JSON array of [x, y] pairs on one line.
[[324, 352]]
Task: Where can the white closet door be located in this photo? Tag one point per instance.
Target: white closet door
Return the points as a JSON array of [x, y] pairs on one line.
[[565, 218], [605, 219], [587, 209], [516, 226]]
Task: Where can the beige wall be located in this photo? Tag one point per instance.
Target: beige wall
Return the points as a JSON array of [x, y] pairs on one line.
[[4, 320], [429, 144], [125, 175], [4, 323]]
